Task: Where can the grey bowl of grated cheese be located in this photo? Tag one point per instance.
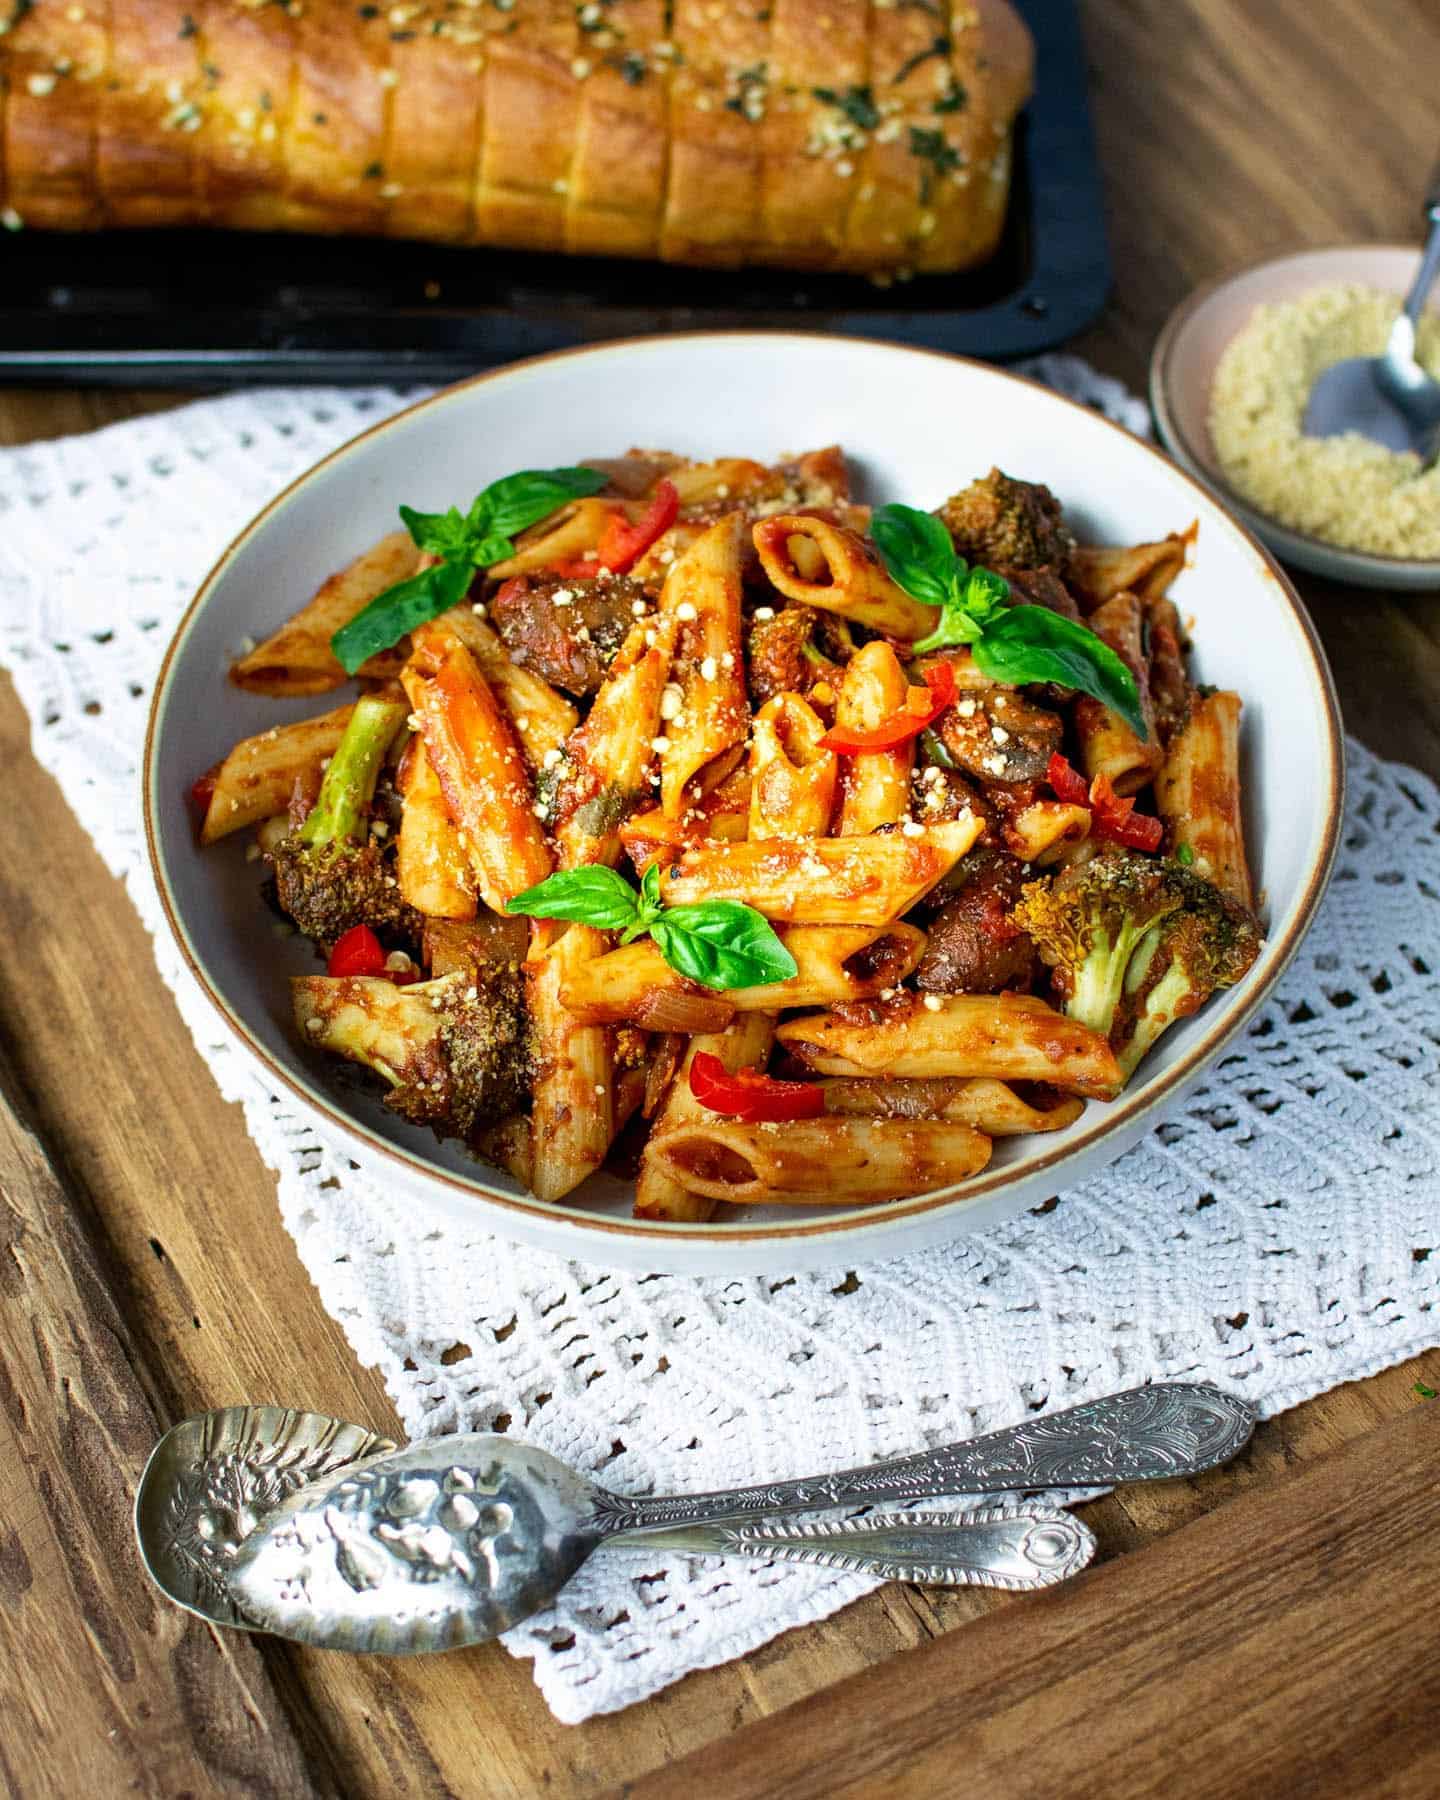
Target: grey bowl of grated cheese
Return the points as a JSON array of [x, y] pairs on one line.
[[1229, 378]]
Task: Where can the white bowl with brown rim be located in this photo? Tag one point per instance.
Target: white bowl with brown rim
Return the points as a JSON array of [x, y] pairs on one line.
[[917, 425]]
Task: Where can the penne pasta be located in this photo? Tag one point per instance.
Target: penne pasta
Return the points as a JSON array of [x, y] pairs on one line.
[[257, 778], [572, 1122], [823, 881], [705, 739], [507, 1145], [481, 771], [819, 1162], [430, 861], [1012, 1037], [1144, 569], [792, 779], [991, 1106], [542, 717], [607, 761], [1198, 795], [658, 1194], [567, 534], [1108, 745], [834, 963], [1046, 831], [625, 731], [297, 659], [825, 565], [876, 784]]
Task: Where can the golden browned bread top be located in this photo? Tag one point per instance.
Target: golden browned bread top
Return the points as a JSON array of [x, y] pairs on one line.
[[861, 134]]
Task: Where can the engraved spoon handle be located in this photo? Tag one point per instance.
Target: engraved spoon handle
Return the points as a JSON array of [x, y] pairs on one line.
[[1003, 1547], [1143, 1434]]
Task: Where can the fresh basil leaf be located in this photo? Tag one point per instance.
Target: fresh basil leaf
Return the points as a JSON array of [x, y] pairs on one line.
[[976, 599], [722, 944], [985, 594], [917, 553], [491, 549], [590, 896], [442, 534], [1425, 1391], [1031, 643], [400, 609], [524, 499], [650, 889]]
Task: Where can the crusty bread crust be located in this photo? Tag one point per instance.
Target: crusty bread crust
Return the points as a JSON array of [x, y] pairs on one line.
[[869, 135]]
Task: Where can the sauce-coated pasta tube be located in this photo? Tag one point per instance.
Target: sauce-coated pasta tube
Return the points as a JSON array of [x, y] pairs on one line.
[[542, 717], [1108, 745], [823, 881], [993, 1107], [565, 535], [820, 1162], [1046, 830], [705, 739], [827, 566], [1198, 795], [1143, 569], [875, 784], [297, 659], [606, 761], [792, 779], [572, 1120], [481, 769], [430, 861], [834, 963], [256, 779], [1013, 1037], [743, 1045]]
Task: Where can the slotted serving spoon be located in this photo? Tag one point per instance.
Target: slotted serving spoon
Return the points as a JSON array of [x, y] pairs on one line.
[[317, 1530], [1389, 398]]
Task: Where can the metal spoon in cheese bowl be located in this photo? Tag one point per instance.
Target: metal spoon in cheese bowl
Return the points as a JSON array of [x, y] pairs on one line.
[[311, 1528], [1389, 398]]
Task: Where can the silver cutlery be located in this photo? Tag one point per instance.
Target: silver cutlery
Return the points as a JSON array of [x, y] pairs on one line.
[[1390, 398], [322, 1532]]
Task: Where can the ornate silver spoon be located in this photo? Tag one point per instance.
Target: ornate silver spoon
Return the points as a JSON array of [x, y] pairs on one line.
[[452, 1540]]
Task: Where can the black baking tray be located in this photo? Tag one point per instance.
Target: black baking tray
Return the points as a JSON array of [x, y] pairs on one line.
[[195, 308]]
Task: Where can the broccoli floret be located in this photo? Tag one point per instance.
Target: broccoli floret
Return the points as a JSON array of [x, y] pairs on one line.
[[1135, 942], [1208, 945], [456, 1056], [1000, 520], [330, 874]]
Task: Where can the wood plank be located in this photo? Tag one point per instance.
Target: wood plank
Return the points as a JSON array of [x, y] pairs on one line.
[[152, 1700], [1277, 1646], [1217, 126]]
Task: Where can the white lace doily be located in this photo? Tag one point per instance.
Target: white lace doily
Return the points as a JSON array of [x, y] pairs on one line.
[[1275, 1236]]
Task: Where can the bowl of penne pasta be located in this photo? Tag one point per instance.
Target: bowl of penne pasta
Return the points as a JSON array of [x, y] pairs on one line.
[[741, 801]]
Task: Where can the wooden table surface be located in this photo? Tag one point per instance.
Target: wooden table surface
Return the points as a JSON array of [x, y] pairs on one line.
[[1269, 1629]]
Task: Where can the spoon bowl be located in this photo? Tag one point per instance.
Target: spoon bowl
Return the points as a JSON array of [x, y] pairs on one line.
[[1388, 398]]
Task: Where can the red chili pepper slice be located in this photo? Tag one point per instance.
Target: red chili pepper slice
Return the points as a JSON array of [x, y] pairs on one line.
[[923, 706], [1111, 817], [357, 952], [1067, 781], [749, 1096], [623, 544]]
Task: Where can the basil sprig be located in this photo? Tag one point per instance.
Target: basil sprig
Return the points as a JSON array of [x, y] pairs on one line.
[[1014, 644], [465, 542], [719, 943]]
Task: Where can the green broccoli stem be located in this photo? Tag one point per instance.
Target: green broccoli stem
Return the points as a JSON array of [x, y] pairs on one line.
[[1171, 998], [338, 815], [1099, 982]]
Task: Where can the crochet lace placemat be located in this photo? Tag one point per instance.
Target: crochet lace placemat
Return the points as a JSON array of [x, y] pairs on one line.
[[1274, 1236]]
